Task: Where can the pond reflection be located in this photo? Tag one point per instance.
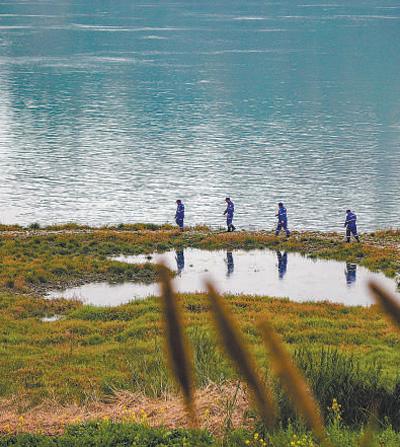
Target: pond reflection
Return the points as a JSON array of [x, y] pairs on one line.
[[180, 261], [243, 272], [282, 263], [350, 273], [229, 263]]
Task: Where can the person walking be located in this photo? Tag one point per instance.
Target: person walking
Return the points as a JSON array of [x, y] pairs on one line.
[[230, 209], [351, 226], [180, 214], [282, 220]]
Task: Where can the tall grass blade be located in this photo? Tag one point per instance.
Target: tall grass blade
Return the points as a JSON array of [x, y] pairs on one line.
[[368, 438], [387, 301], [293, 381], [231, 339], [177, 345]]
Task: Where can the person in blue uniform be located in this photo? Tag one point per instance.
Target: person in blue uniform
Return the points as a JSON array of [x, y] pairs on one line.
[[282, 220], [351, 226], [282, 263], [230, 209], [180, 214]]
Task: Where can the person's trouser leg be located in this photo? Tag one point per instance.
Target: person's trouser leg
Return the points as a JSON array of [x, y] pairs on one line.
[[179, 222], [348, 233], [278, 229], [285, 227], [229, 223], [355, 234]]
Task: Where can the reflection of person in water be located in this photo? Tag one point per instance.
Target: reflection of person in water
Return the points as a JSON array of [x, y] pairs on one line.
[[229, 263], [351, 273], [282, 264], [180, 260]]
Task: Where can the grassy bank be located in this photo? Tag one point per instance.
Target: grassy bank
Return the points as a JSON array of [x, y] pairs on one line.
[[93, 352], [83, 362], [36, 260]]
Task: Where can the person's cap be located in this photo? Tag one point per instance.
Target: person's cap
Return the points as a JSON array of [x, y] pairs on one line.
[[348, 211], [280, 204]]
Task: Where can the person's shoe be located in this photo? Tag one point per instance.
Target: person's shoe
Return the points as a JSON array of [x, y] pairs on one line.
[[348, 240], [233, 228], [358, 239]]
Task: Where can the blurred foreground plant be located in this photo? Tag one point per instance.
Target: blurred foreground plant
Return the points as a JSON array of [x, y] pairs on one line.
[[177, 345], [180, 359]]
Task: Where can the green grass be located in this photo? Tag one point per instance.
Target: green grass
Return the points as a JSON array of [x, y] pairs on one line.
[[105, 433], [62, 256], [94, 351]]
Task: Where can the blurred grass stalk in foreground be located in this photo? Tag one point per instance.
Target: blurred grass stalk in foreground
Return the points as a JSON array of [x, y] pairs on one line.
[[180, 358]]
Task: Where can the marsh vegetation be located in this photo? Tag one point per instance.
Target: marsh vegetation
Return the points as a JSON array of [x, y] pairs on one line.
[[92, 354]]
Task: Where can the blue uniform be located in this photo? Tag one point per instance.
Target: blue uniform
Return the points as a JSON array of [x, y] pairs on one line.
[[351, 225], [230, 209], [282, 221], [180, 215]]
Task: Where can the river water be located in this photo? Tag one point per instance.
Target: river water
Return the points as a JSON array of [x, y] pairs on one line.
[[109, 111]]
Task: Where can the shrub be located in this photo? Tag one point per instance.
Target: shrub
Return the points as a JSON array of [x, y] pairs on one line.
[[359, 391], [34, 226]]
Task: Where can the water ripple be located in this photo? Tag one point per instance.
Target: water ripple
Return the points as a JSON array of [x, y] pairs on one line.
[[110, 114]]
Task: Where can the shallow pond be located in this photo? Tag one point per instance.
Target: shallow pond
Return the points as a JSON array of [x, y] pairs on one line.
[[255, 272], [51, 319]]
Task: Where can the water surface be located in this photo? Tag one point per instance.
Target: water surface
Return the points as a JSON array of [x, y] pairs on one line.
[[255, 272], [111, 110]]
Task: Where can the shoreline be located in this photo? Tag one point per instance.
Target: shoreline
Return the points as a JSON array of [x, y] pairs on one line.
[[145, 226], [37, 260]]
